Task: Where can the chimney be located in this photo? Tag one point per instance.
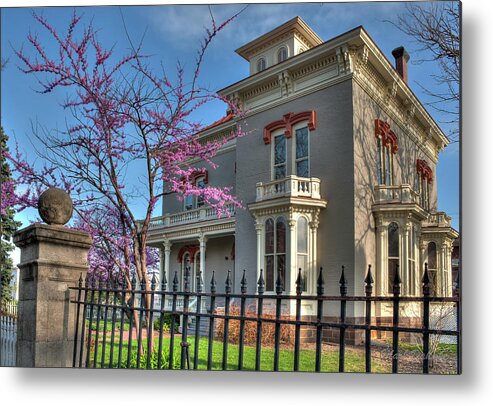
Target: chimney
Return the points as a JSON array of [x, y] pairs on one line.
[[401, 57]]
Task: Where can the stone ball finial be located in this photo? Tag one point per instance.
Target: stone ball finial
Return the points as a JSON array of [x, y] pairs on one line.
[[55, 206]]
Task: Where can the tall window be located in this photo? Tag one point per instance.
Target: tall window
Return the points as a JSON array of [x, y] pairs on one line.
[[393, 253], [385, 163], [194, 202], [279, 156], [282, 54], [275, 253], [200, 184], [302, 153], [302, 249], [261, 65], [412, 261], [424, 192], [432, 268]]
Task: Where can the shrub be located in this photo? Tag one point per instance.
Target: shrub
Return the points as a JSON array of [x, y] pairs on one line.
[[250, 328], [153, 360], [166, 319]]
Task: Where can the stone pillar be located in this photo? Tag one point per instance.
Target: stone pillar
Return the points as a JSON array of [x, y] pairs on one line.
[[52, 260]]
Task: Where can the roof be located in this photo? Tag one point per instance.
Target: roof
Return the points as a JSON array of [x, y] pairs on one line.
[[222, 120], [296, 24]]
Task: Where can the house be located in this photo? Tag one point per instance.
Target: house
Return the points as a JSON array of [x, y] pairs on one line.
[[338, 168]]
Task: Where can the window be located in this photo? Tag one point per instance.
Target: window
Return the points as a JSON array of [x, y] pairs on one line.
[[302, 154], [194, 202], [425, 177], [393, 254], [387, 146], [432, 268], [385, 164], [200, 184], [261, 65], [412, 261], [282, 54], [302, 249], [279, 156], [275, 253]]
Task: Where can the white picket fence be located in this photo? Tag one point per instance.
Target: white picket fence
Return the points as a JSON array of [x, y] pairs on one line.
[[8, 334]]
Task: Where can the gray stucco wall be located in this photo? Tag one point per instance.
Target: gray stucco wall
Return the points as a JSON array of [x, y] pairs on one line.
[[331, 160]]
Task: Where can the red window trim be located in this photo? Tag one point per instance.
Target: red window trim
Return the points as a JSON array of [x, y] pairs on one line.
[[196, 175], [424, 170], [383, 131], [191, 249], [287, 122]]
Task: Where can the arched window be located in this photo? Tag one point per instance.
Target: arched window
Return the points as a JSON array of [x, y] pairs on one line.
[[275, 252], [386, 148], [432, 268], [393, 253], [302, 153], [261, 65], [282, 54], [302, 248]]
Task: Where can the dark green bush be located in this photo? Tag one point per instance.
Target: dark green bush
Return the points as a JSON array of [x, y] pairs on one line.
[[166, 319]]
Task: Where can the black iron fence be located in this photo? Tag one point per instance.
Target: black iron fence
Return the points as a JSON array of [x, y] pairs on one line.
[[127, 326], [8, 333]]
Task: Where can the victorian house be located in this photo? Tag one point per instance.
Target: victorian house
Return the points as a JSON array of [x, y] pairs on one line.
[[338, 168]]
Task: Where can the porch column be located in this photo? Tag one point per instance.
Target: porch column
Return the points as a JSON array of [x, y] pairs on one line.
[[443, 268], [167, 254], [313, 272], [405, 259], [292, 271], [202, 243], [259, 228], [381, 256]]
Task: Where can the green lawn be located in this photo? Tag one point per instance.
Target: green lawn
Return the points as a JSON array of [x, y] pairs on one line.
[[355, 361]]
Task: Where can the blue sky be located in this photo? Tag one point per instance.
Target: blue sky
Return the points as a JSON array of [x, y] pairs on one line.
[[173, 33]]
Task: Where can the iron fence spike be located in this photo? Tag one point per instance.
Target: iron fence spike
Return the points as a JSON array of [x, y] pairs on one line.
[[320, 283], [343, 283], [228, 283], [369, 277], [261, 282], [244, 282], [279, 283], [299, 283]]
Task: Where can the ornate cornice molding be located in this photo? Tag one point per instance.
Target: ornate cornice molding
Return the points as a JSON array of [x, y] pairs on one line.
[[287, 122]]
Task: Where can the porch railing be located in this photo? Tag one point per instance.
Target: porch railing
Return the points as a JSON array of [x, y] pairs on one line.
[[189, 216], [291, 186], [395, 194], [102, 346]]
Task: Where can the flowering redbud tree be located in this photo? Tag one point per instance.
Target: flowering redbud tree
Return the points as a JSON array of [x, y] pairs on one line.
[[125, 119]]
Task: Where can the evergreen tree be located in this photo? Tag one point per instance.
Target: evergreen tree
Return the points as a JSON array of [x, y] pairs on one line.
[[7, 228]]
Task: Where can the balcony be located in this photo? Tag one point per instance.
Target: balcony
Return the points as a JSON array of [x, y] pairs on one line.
[[189, 217], [438, 219], [291, 186], [402, 194]]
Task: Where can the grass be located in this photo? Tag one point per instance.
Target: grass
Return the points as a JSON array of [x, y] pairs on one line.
[[109, 324], [354, 360], [442, 348]]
